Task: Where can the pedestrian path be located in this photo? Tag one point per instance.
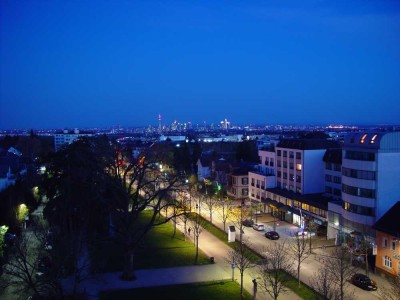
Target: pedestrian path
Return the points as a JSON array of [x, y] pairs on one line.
[[147, 278]]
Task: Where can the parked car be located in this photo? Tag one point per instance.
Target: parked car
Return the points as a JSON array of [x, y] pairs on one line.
[[248, 223], [272, 235], [259, 227], [363, 282]]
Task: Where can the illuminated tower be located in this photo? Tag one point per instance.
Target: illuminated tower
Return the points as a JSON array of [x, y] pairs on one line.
[[159, 123]]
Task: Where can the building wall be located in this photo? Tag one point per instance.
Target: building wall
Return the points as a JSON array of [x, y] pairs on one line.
[[313, 171], [387, 251], [239, 188], [388, 177]]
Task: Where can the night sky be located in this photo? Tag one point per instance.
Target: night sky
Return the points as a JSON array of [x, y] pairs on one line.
[[100, 63]]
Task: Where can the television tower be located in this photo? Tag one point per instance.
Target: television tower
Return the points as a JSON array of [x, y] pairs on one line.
[[159, 123]]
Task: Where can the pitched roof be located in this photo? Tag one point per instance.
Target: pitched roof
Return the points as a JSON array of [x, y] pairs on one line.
[[389, 223]]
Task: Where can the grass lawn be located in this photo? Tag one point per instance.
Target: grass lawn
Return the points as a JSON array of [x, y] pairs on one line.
[[159, 250], [208, 290]]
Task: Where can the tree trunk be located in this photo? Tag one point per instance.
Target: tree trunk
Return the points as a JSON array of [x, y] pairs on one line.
[[129, 273], [298, 273], [241, 284], [197, 248]]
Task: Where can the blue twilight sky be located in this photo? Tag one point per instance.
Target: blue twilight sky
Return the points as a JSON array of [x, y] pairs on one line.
[[81, 63]]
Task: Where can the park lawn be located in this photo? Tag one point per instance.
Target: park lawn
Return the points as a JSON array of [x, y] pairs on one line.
[[160, 249], [215, 290]]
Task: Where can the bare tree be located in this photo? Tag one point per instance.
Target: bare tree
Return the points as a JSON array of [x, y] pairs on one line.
[[331, 279], [23, 273], [322, 283], [197, 224], [211, 203], [312, 228], [226, 211], [274, 270], [298, 250], [242, 257], [393, 291]]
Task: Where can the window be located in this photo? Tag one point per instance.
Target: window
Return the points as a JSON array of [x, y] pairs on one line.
[[337, 192], [298, 167], [279, 164], [291, 166], [393, 245], [298, 178], [337, 167], [298, 190], [304, 206], [291, 154], [356, 191], [252, 181], [314, 210], [359, 209], [233, 180], [278, 153], [284, 164], [358, 155], [245, 192], [271, 162], [298, 155], [387, 262], [284, 175], [336, 179], [328, 178], [284, 153], [384, 243], [328, 166], [328, 189], [245, 181], [279, 173], [360, 174]]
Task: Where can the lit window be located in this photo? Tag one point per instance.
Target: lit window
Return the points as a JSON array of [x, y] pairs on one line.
[[373, 139], [363, 138], [298, 167], [387, 261]]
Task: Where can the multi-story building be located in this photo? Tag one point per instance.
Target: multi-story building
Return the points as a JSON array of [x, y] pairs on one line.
[[370, 182], [296, 193], [264, 176], [387, 260], [238, 183], [67, 137], [300, 159]]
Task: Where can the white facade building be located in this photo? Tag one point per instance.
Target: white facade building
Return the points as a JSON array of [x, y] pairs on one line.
[[67, 137], [370, 181]]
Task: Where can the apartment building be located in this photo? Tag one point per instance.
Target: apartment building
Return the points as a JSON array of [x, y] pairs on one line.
[[293, 188], [67, 137], [370, 182]]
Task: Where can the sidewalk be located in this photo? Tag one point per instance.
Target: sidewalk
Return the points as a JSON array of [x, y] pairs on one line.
[[148, 278]]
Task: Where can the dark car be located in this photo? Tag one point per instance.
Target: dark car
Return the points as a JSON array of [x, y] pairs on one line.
[[272, 235], [363, 282], [248, 223]]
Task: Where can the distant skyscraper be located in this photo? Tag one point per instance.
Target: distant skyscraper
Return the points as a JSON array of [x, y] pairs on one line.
[[159, 123]]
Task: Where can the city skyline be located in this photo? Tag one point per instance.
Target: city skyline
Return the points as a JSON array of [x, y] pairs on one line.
[[97, 64]]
